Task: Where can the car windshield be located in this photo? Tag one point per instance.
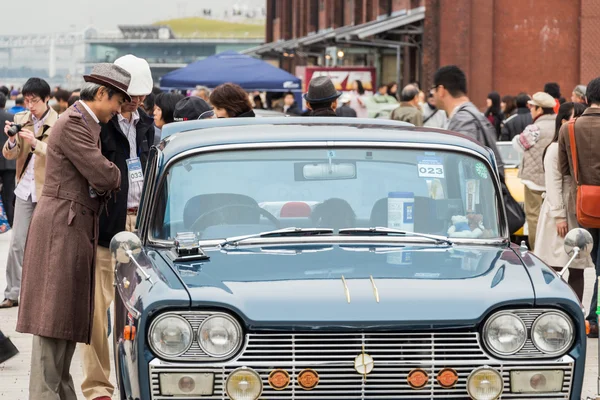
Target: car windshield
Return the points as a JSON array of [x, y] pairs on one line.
[[509, 155], [225, 194]]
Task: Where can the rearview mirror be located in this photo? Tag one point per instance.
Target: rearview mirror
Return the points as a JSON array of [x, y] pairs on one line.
[[125, 245], [578, 245], [325, 171]]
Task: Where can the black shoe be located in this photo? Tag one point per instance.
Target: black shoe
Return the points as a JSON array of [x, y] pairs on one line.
[[7, 350], [593, 330]]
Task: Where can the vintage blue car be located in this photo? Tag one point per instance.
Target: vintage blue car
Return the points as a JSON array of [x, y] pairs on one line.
[[322, 258]]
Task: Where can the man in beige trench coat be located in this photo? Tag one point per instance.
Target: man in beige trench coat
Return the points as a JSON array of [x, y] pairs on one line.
[[58, 267]]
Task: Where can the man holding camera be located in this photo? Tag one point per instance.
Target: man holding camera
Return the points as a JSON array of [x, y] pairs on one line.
[[27, 142], [126, 140]]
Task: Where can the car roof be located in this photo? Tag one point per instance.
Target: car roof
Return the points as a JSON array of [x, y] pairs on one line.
[[183, 136]]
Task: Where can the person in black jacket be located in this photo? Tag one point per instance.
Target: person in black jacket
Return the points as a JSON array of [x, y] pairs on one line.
[[126, 140], [515, 124], [8, 168], [494, 113]]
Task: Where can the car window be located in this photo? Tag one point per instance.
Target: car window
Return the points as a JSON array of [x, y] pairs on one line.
[[509, 155], [225, 194]]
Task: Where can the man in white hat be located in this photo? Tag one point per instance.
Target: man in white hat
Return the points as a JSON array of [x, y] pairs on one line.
[[532, 142], [126, 140]]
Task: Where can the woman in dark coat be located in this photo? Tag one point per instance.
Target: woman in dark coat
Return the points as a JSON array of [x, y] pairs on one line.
[[493, 112]]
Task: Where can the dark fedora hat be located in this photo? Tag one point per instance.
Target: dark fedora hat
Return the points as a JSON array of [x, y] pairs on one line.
[[321, 90], [111, 76]]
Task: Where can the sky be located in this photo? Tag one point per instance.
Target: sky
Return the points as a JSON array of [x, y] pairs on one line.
[[66, 16]]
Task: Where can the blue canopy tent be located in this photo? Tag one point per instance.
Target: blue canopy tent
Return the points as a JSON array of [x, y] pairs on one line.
[[248, 72]]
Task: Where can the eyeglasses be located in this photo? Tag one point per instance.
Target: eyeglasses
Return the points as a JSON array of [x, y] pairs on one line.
[[207, 114], [32, 101], [433, 89]]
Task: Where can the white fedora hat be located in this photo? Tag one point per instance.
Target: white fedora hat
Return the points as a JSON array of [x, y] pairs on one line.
[[141, 77]]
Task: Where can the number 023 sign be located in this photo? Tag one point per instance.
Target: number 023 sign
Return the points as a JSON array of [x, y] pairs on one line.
[[430, 167]]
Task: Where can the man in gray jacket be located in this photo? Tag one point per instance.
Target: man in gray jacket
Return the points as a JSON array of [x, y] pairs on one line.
[[450, 93]]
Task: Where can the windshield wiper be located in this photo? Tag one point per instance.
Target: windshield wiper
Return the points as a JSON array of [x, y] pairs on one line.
[[383, 231], [293, 231]]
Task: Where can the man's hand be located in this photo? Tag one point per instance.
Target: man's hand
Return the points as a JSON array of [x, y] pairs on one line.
[[561, 228], [28, 136], [7, 125]]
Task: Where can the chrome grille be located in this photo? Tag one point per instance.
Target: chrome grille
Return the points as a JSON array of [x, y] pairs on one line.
[[326, 348], [396, 354]]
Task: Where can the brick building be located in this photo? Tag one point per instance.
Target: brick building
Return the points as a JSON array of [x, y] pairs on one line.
[[512, 46], [504, 45], [375, 33]]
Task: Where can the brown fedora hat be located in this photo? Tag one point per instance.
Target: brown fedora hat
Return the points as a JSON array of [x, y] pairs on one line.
[[112, 76]]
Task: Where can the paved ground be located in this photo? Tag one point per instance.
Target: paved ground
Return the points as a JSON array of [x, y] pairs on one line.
[[14, 374]]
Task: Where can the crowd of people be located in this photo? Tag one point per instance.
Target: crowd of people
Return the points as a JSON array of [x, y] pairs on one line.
[[74, 161]]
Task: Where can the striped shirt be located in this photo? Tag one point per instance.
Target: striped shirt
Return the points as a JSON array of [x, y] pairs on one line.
[[129, 129]]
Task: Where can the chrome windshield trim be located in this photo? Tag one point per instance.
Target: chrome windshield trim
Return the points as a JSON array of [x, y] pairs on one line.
[[346, 239], [502, 222]]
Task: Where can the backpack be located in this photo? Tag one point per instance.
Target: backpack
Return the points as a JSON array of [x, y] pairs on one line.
[[588, 196]]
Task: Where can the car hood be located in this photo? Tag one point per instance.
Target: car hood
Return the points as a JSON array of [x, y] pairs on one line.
[[344, 285]]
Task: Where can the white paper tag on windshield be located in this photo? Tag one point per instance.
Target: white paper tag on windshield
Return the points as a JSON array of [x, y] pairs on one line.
[[430, 167]]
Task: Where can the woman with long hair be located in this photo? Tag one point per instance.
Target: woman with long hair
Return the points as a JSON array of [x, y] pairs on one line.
[[555, 218], [493, 112], [357, 99]]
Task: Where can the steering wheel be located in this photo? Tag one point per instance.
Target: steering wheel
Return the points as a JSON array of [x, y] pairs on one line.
[[202, 221]]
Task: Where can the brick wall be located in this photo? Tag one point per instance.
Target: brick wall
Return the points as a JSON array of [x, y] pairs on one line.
[[511, 49], [590, 35]]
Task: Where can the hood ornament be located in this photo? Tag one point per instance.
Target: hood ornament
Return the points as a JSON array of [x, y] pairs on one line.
[[364, 364], [346, 290], [375, 291]]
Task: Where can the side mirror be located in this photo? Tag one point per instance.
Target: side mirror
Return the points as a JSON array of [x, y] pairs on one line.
[[578, 245], [125, 245]]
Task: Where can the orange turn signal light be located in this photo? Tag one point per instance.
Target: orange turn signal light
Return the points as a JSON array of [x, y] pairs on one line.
[[279, 379], [129, 332], [447, 378], [587, 327], [417, 378], [308, 379]]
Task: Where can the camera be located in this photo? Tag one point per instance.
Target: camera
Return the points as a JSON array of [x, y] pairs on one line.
[[14, 129]]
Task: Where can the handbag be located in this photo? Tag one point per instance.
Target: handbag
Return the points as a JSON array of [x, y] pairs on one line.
[[588, 196], [515, 215]]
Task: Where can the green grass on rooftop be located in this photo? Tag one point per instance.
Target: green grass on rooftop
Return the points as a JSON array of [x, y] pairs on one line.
[[210, 28]]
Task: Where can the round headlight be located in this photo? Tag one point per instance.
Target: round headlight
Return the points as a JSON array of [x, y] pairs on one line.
[[244, 384], [170, 335], [485, 383], [505, 333], [552, 333], [219, 335]]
